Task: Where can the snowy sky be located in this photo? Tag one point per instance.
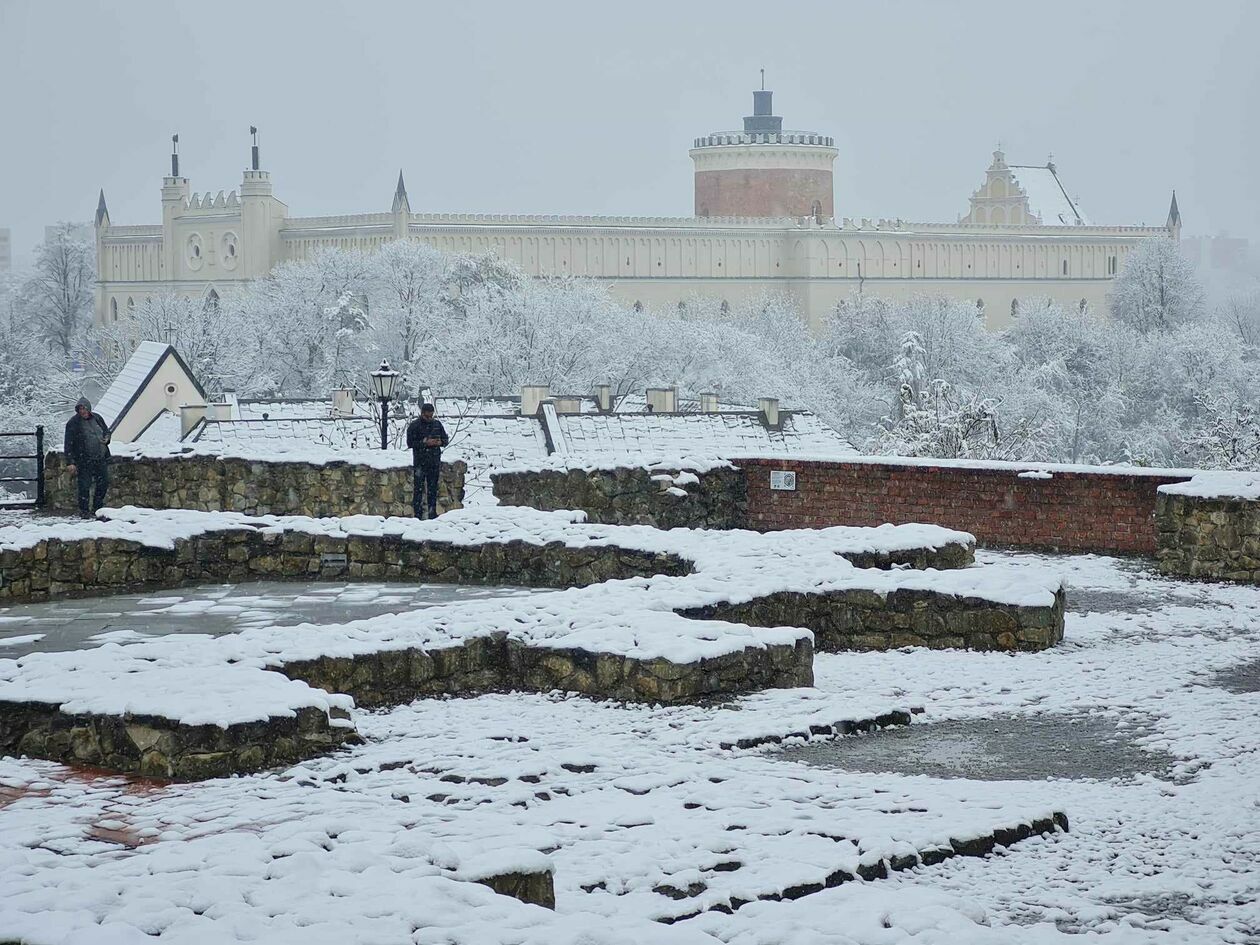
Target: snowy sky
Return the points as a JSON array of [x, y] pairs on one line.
[[584, 108]]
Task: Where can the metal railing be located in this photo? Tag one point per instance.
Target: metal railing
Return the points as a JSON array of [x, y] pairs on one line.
[[37, 479]]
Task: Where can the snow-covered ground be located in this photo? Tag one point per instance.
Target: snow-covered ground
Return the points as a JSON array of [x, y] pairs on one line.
[[642, 815]]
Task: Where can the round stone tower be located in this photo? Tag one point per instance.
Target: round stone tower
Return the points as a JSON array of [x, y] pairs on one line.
[[764, 171]]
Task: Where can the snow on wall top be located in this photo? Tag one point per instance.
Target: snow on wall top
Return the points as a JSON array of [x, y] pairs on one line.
[[1046, 197], [1221, 484], [127, 384]]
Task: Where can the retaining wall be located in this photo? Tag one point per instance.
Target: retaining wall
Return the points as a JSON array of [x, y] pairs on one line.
[[1007, 506], [632, 496], [1002, 506], [207, 483], [92, 566], [1214, 538]]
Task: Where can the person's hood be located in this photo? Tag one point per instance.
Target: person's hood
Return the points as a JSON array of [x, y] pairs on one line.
[[83, 402]]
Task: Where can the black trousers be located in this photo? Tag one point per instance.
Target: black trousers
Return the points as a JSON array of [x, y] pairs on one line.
[[93, 484], [425, 494]]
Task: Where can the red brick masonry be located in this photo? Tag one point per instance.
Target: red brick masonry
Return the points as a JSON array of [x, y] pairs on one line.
[[1070, 511]]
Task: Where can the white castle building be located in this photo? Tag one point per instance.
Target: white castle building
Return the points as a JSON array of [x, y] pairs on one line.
[[764, 221]]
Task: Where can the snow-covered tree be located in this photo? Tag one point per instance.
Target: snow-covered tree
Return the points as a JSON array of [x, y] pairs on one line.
[[1157, 290], [57, 297]]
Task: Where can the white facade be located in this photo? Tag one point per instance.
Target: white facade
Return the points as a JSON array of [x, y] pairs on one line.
[[1008, 247]]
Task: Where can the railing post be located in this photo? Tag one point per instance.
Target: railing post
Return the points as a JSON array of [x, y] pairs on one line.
[[40, 497]]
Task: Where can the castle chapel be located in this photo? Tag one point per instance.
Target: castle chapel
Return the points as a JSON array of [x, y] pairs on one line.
[[764, 220]]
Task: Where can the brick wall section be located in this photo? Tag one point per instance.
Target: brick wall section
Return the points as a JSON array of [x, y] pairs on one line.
[[1072, 511], [763, 192]]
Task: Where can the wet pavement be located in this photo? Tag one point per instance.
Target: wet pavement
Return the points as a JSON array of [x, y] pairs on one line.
[[1034, 747], [1245, 677], [215, 610]]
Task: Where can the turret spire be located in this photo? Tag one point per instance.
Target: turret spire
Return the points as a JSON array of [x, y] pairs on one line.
[[401, 204], [1174, 215], [253, 151], [102, 211], [174, 155]]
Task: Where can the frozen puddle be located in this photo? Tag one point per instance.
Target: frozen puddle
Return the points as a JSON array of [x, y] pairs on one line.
[[1003, 748], [216, 610]]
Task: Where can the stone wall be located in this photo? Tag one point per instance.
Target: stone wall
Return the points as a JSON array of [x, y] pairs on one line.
[[866, 620], [1064, 511], [224, 484], [496, 663], [632, 496], [1213, 538], [158, 747], [1070, 510], [93, 566]]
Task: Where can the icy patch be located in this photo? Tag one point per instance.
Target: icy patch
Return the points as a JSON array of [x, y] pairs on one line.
[[1032, 747]]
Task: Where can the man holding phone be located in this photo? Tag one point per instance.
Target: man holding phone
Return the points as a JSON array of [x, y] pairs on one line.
[[426, 437]]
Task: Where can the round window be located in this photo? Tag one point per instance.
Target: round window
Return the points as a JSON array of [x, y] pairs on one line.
[[171, 389]]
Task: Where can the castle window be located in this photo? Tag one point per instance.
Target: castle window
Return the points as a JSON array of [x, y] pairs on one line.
[[638, 306], [1065, 267], [1014, 308], [231, 249], [113, 310], [1084, 304]]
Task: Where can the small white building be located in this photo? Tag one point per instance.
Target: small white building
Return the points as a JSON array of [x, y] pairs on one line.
[[150, 394]]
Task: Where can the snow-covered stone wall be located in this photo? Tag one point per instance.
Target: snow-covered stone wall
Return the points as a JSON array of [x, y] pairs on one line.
[[665, 498], [208, 483], [1209, 536]]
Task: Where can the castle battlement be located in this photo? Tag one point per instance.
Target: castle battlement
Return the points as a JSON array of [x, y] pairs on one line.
[[720, 139], [207, 202]]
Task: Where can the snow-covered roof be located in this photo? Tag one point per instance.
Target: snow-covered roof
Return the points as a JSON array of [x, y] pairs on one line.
[[702, 434], [166, 427], [1047, 198], [141, 366]]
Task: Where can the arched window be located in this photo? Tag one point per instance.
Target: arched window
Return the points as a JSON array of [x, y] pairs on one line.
[[113, 310], [638, 306], [212, 301], [725, 307], [980, 306], [815, 210], [1084, 304], [1065, 267], [131, 306], [1014, 308], [997, 216]]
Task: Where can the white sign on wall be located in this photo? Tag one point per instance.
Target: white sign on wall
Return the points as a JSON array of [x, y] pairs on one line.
[[782, 480]]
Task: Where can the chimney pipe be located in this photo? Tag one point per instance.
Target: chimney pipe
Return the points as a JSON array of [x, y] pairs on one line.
[[708, 403], [532, 396], [769, 407], [662, 399], [603, 397]]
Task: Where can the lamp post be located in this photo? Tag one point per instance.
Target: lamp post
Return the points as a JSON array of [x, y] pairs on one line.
[[384, 382]]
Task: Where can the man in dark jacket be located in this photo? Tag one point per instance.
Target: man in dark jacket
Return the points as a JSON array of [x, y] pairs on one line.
[[87, 454], [426, 437]]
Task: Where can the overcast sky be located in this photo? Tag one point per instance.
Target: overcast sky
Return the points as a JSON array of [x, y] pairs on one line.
[[590, 108]]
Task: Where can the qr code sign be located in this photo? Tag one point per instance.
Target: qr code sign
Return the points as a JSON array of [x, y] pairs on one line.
[[782, 480]]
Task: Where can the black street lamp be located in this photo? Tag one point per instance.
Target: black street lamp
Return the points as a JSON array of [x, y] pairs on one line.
[[384, 382]]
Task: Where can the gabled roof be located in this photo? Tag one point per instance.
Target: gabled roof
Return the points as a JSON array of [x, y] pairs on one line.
[[134, 377], [1047, 198]]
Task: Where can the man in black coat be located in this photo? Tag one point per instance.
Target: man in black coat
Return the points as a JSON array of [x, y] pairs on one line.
[[87, 455], [426, 437]]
